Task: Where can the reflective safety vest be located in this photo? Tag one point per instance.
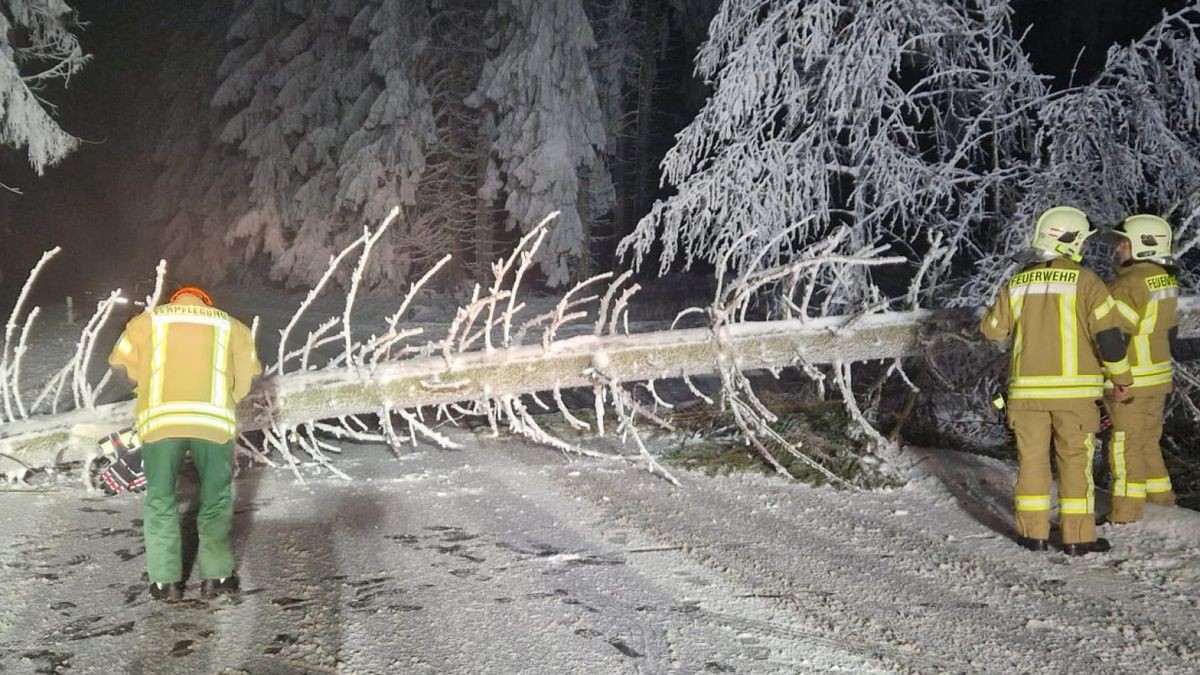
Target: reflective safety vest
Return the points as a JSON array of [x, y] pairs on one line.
[[1053, 311], [191, 365], [1147, 296]]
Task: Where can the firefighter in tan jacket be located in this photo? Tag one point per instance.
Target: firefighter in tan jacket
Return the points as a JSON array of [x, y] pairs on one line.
[[1146, 292], [1066, 336], [190, 363]]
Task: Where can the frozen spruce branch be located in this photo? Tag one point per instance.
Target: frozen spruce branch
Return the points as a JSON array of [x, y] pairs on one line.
[[895, 119], [37, 49], [791, 286]]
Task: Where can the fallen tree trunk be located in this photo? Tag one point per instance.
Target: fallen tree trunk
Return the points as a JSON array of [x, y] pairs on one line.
[[295, 398]]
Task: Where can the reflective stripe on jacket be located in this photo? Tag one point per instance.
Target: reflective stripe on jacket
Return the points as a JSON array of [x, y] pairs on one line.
[[1147, 296], [191, 364], [1053, 312]]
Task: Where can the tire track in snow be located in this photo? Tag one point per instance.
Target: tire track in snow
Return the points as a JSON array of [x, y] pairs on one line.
[[991, 607]]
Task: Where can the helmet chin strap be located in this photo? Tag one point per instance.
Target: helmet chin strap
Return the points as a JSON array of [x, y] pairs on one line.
[[1068, 253]]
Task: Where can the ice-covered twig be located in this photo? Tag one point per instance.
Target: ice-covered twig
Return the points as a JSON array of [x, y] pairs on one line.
[[22, 346], [626, 410], [935, 252], [418, 426], [160, 274], [313, 446], [380, 346], [526, 260], [842, 378], [80, 389], [356, 276], [523, 423], [602, 312], [574, 421], [10, 327], [277, 438], [334, 262]]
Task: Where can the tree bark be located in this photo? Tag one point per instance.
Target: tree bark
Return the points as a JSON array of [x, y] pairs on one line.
[[300, 397]]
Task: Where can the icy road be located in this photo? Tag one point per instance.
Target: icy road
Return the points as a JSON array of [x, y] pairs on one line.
[[505, 558]]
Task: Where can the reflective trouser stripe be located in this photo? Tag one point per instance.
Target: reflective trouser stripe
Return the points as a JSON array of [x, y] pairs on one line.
[[1074, 507], [1090, 444], [1119, 486], [1135, 490], [1158, 485], [1033, 502]]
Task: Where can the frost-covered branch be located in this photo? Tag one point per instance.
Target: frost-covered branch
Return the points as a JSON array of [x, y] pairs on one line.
[[44, 49]]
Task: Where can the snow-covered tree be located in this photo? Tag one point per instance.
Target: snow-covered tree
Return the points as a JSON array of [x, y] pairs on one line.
[[326, 115], [37, 50], [549, 129], [616, 69], [1127, 141], [900, 119]]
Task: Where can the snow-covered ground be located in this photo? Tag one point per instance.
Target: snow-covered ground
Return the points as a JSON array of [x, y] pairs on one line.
[[505, 557]]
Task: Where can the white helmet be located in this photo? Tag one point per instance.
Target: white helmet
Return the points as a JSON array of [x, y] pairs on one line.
[[1149, 237], [1061, 231]]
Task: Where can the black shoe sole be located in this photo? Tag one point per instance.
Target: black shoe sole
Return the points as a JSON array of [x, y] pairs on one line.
[[1035, 545], [1098, 546], [169, 595]]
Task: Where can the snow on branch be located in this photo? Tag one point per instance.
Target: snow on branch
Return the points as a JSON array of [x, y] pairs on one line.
[[495, 361], [44, 50], [895, 119]]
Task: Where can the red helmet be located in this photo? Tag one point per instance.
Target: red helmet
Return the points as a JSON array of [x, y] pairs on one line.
[[192, 290]]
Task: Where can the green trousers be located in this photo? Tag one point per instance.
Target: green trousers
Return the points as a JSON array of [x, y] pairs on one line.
[[214, 521]]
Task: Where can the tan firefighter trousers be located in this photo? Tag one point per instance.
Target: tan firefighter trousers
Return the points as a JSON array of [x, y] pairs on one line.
[[1073, 431], [1135, 458]]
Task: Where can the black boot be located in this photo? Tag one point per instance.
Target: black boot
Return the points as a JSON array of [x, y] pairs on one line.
[[171, 591], [1086, 547], [211, 588], [1037, 545]]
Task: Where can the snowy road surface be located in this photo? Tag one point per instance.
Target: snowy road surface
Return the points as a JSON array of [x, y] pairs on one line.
[[504, 558]]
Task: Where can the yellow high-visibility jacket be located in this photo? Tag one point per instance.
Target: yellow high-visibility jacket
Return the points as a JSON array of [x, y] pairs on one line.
[[1147, 296], [190, 364], [1054, 312]]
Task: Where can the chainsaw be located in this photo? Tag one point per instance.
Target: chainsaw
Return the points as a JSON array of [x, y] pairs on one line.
[[120, 463]]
